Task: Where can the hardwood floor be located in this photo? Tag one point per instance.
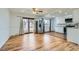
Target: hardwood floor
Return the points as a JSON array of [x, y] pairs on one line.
[[39, 42]]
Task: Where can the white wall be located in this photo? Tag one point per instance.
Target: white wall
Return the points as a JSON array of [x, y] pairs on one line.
[[4, 26], [76, 16], [14, 24], [59, 20]]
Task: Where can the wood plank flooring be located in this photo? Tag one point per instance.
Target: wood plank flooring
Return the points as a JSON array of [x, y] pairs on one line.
[[39, 42]]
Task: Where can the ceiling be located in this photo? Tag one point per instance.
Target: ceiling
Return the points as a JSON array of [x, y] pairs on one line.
[[46, 11]]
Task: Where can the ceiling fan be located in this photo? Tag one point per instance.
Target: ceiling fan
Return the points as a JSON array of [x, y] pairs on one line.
[[37, 11]]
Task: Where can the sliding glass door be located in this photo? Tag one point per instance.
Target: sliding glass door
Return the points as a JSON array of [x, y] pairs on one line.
[[28, 25], [31, 25], [25, 25], [46, 25]]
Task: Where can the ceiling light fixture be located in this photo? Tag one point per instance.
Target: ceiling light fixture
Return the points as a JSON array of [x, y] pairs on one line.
[[36, 11]]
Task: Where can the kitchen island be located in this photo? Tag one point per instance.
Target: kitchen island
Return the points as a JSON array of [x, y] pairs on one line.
[[73, 34]]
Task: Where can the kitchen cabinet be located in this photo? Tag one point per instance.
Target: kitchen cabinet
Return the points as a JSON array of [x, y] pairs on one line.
[[73, 35]]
